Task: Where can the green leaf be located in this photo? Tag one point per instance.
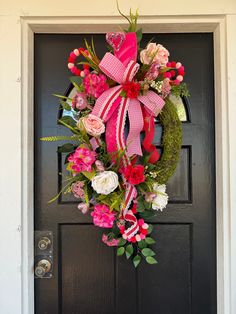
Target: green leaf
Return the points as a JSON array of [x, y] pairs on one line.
[[76, 80], [150, 228], [66, 148], [136, 260], [129, 250], [139, 35], [68, 120], [120, 251], [121, 242], [148, 214], [151, 260], [142, 244], [89, 175], [65, 105], [140, 206], [150, 240], [148, 252]]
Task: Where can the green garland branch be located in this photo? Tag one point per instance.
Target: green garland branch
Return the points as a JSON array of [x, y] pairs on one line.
[[171, 140]]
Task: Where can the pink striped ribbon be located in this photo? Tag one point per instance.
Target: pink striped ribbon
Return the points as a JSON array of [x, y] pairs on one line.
[[113, 109]]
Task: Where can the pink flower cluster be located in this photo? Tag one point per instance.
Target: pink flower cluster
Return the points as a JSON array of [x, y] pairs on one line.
[[103, 216], [95, 85], [82, 159], [107, 241], [77, 189]]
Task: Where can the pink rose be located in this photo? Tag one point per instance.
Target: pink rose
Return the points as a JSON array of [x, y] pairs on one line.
[[113, 242], [92, 124], [79, 101], [154, 53], [103, 216]]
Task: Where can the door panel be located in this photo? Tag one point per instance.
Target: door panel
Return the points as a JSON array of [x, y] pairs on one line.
[[87, 276]]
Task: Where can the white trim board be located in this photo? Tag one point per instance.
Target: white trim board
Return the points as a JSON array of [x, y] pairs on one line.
[[223, 28]]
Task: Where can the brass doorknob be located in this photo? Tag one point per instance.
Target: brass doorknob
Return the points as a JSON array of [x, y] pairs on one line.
[[42, 268], [44, 243]]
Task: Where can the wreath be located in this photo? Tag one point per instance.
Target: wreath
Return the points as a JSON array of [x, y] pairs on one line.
[[114, 169]]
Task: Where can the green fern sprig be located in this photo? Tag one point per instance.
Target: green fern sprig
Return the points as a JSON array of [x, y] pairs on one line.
[[75, 138]]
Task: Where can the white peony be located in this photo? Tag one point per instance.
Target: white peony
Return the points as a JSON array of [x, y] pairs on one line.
[[161, 199], [105, 182]]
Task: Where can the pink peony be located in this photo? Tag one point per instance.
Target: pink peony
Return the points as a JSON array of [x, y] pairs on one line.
[[154, 53], [79, 101], [77, 189], [95, 85], [102, 216], [82, 159], [92, 124], [113, 242]]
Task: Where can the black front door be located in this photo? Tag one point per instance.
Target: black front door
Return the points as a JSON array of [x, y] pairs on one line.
[[88, 278]]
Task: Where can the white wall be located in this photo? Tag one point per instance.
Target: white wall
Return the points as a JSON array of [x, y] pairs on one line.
[[11, 197]]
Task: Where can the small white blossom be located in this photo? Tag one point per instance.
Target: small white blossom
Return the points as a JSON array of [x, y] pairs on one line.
[[161, 199]]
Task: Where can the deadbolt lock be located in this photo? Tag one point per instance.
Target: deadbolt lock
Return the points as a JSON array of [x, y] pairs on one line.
[[43, 254], [44, 243]]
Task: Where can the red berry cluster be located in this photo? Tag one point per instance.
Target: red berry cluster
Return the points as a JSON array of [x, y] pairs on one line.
[[142, 232], [176, 72], [71, 63]]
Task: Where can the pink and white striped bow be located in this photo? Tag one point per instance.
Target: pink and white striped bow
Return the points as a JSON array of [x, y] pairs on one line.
[[112, 108]]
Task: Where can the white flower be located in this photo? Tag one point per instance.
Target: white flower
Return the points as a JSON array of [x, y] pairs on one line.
[[105, 182], [161, 199]]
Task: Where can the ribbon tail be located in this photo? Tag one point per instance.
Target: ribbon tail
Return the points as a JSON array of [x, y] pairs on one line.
[[135, 127], [149, 128]]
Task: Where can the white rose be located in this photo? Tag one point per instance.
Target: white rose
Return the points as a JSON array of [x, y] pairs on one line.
[[161, 199], [105, 182]]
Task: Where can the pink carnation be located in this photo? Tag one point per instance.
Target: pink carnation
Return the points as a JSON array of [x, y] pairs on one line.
[[152, 72], [102, 216], [82, 159], [77, 189], [113, 242], [166, 87], [79, 101], [95, 85]]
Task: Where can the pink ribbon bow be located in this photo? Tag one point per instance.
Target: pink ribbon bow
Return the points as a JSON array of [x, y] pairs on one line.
[[113, 109]]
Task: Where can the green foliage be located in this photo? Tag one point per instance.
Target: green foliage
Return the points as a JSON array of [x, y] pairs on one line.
[[77, 81], [136, 260], [180, 90], [120, 251], [122, 242], [151, 260], [172, 141], [66, 148], [67, 121], [129, 250], [65, 105], [150, 240], [148, 252], [142, 244], [73, 138], [148, 214], [113, 200]]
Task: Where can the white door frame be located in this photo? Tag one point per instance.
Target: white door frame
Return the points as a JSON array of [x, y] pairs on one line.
[[223, 28]]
